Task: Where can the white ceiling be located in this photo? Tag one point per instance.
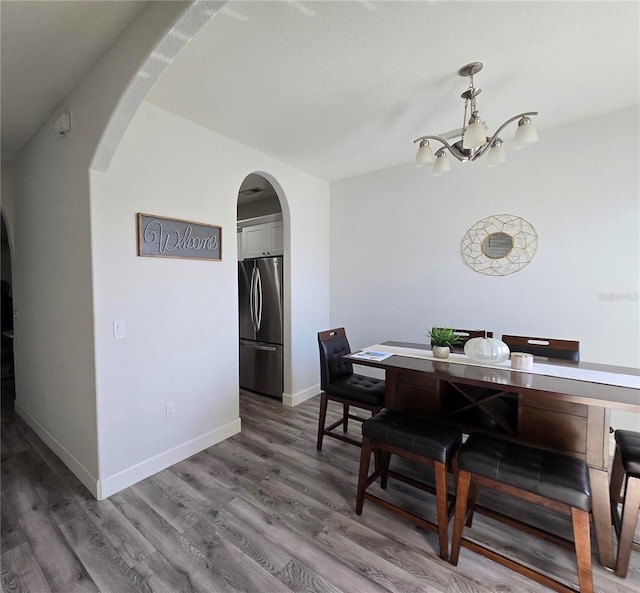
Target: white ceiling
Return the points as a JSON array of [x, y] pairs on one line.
[[340, 88], [47, 47]]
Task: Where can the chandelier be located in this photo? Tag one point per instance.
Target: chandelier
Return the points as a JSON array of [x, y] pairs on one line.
[[473, 140]]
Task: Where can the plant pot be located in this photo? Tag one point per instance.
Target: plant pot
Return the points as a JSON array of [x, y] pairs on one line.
[[441, 351]]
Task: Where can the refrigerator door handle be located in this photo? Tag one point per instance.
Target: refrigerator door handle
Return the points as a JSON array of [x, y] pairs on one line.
[[258, 347], [258, 299], [265, 348], [251, 298]]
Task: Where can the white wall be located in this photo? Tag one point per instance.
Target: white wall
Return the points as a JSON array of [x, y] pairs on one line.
[[50, 228], [96, 403], [53, 345], [181, 316], [401, 229]]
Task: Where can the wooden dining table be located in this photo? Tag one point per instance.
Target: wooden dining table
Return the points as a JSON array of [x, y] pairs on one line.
[[562, 405]]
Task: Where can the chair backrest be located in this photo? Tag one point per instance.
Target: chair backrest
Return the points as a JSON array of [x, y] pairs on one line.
[[333, 345], [467, 334], [549, 347]]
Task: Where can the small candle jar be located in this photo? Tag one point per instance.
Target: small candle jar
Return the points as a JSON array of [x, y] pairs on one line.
[[521, 361]]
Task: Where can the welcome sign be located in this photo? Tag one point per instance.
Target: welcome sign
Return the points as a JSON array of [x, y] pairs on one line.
[[171, 237]]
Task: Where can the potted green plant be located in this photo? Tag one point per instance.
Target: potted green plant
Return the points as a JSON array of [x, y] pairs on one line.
[[442, 340]]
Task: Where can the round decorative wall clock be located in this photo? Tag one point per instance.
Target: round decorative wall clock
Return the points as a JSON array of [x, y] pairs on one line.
[[499, 245]]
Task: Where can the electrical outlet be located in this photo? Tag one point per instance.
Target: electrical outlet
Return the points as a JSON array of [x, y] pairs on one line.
[[169, 410]]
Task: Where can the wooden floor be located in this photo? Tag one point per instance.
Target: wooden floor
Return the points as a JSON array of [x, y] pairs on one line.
[[262, 512]]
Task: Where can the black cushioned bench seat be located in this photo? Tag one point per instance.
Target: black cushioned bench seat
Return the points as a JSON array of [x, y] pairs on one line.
[[625, 478], [426, 442], [628, 442], [553, 480], [436, 441], [546, 473]]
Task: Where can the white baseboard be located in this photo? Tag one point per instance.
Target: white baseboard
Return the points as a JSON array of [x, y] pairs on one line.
[[153, 465], [110, 485], [294, 400]]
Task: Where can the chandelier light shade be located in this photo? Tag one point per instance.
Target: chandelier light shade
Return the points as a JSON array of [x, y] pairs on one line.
[[474, 135], [442, 164], [525, 134], [497, 154], [425, 154], [471, 141]]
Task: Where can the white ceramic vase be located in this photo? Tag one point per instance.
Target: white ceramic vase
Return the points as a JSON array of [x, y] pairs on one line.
[[486, 350]]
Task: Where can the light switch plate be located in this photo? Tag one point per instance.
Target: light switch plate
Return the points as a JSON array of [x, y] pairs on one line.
[[118, 330]]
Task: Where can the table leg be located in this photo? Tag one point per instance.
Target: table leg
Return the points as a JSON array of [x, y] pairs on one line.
[[602, 516]]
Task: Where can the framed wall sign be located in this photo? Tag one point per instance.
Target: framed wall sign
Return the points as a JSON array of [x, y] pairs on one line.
[[171, 237]]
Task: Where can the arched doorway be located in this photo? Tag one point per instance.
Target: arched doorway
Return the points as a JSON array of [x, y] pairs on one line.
[[261, 302]]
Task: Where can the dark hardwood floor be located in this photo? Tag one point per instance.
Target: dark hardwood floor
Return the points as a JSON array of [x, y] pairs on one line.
[[262, 512]]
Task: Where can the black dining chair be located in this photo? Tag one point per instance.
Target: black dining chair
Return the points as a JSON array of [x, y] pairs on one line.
[[467, 334], [547, 347], [341, 385]]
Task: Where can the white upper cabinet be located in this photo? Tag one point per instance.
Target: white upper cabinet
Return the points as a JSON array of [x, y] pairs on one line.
[[262, 240]]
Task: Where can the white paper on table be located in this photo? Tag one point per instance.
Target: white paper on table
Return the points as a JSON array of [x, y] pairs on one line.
[[371, 355]]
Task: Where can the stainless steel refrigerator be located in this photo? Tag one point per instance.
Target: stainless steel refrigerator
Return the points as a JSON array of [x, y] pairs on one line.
[[261, 328]]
